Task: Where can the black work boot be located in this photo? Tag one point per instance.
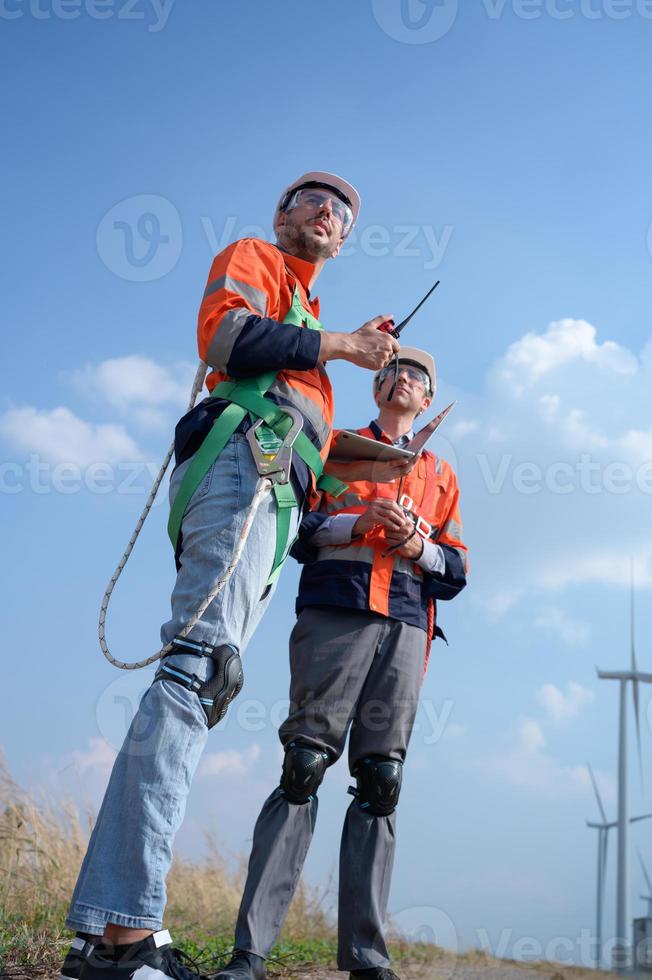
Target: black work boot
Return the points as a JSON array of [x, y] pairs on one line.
[[373, 973], [243, 966], [80, 947], [151, 957]]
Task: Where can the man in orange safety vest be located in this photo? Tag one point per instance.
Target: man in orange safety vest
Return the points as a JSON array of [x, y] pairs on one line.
[[376, 559]]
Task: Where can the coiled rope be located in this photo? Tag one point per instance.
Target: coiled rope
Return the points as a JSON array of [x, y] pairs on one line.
[[263, 487]]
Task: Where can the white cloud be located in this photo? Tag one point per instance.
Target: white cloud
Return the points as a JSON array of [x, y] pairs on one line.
[[230, 761], [564, 342], [97, 759], [527, 764], [463, 427], [453, 731], [58, 435], [84, 773], [572, 631], [138, 387], [556, 482], [560, 706]]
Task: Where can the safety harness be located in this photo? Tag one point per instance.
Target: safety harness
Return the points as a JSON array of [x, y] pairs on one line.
[[282, 433], [273, 435]]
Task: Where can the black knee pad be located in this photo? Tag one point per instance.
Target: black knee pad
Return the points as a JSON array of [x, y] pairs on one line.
[[378, 784], [216, 694], [303, 770]]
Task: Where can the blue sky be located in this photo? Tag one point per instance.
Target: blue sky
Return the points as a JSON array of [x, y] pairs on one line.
[[501, 147]]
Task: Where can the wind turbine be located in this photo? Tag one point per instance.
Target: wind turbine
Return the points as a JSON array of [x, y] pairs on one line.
[[603, 841], [648, 897], [621, 946]]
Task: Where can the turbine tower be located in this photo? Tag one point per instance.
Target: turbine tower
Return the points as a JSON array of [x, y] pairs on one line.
[[648, 897], [635, 676], [603, 841]]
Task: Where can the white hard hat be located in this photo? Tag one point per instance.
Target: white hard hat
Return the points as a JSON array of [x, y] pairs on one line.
[[344, 189], [422, 359]]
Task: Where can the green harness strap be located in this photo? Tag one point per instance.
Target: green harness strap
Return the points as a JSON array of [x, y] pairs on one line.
[[248, 396]]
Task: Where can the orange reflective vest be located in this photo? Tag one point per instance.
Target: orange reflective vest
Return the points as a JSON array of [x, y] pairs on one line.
[[253, 277], [360, 575]]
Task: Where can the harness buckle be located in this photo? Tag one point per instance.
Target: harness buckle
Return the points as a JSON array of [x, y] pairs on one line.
[[276, 465]]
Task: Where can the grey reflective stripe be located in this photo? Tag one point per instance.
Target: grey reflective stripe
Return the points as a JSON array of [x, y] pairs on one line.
[[453, 529], [256, 298], [336, 504], [221, 346], [349, 552], [407, 567], [460, 552], [306, 406], [438, 466], [367, 554]]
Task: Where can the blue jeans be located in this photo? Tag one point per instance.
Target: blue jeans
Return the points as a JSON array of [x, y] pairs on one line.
[[122, 878]]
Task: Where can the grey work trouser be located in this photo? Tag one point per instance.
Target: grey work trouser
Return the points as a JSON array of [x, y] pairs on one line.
[[350, 670]]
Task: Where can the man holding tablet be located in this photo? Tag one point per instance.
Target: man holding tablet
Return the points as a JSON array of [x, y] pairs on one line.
[[375, 561]]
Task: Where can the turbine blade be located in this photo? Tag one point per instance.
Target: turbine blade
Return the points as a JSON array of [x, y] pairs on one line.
[[635, 682], [647, 877], [631, 616], [597, 793], [635, 695], [605, 845]]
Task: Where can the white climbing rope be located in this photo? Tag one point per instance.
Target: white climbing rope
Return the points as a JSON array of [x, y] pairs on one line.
[[263, 487]]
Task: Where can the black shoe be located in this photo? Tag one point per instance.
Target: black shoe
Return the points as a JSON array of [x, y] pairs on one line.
[[151, 957], [375, 973], [76, 956], [243, 966]]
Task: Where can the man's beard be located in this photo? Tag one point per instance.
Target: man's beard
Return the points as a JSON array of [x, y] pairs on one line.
[[306, 248]]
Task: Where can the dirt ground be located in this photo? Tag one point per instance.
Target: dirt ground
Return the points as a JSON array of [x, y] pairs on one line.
[[451, 968]]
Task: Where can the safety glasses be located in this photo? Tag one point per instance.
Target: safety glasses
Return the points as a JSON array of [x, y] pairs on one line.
[[315, 198], [414, 374]]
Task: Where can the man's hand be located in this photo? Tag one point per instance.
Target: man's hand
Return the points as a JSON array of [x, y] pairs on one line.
[[369, 470], [396, 524], [386, 514], [411, 549], [384, 471], [367, 347]]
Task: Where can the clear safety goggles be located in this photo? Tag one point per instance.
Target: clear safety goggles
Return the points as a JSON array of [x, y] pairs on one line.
[[316, 197], [414, 374]]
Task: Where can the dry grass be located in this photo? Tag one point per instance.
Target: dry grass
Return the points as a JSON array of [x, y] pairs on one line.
[[42, 845]]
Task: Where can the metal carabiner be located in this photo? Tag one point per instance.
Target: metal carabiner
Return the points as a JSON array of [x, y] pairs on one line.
[[276, 465]]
